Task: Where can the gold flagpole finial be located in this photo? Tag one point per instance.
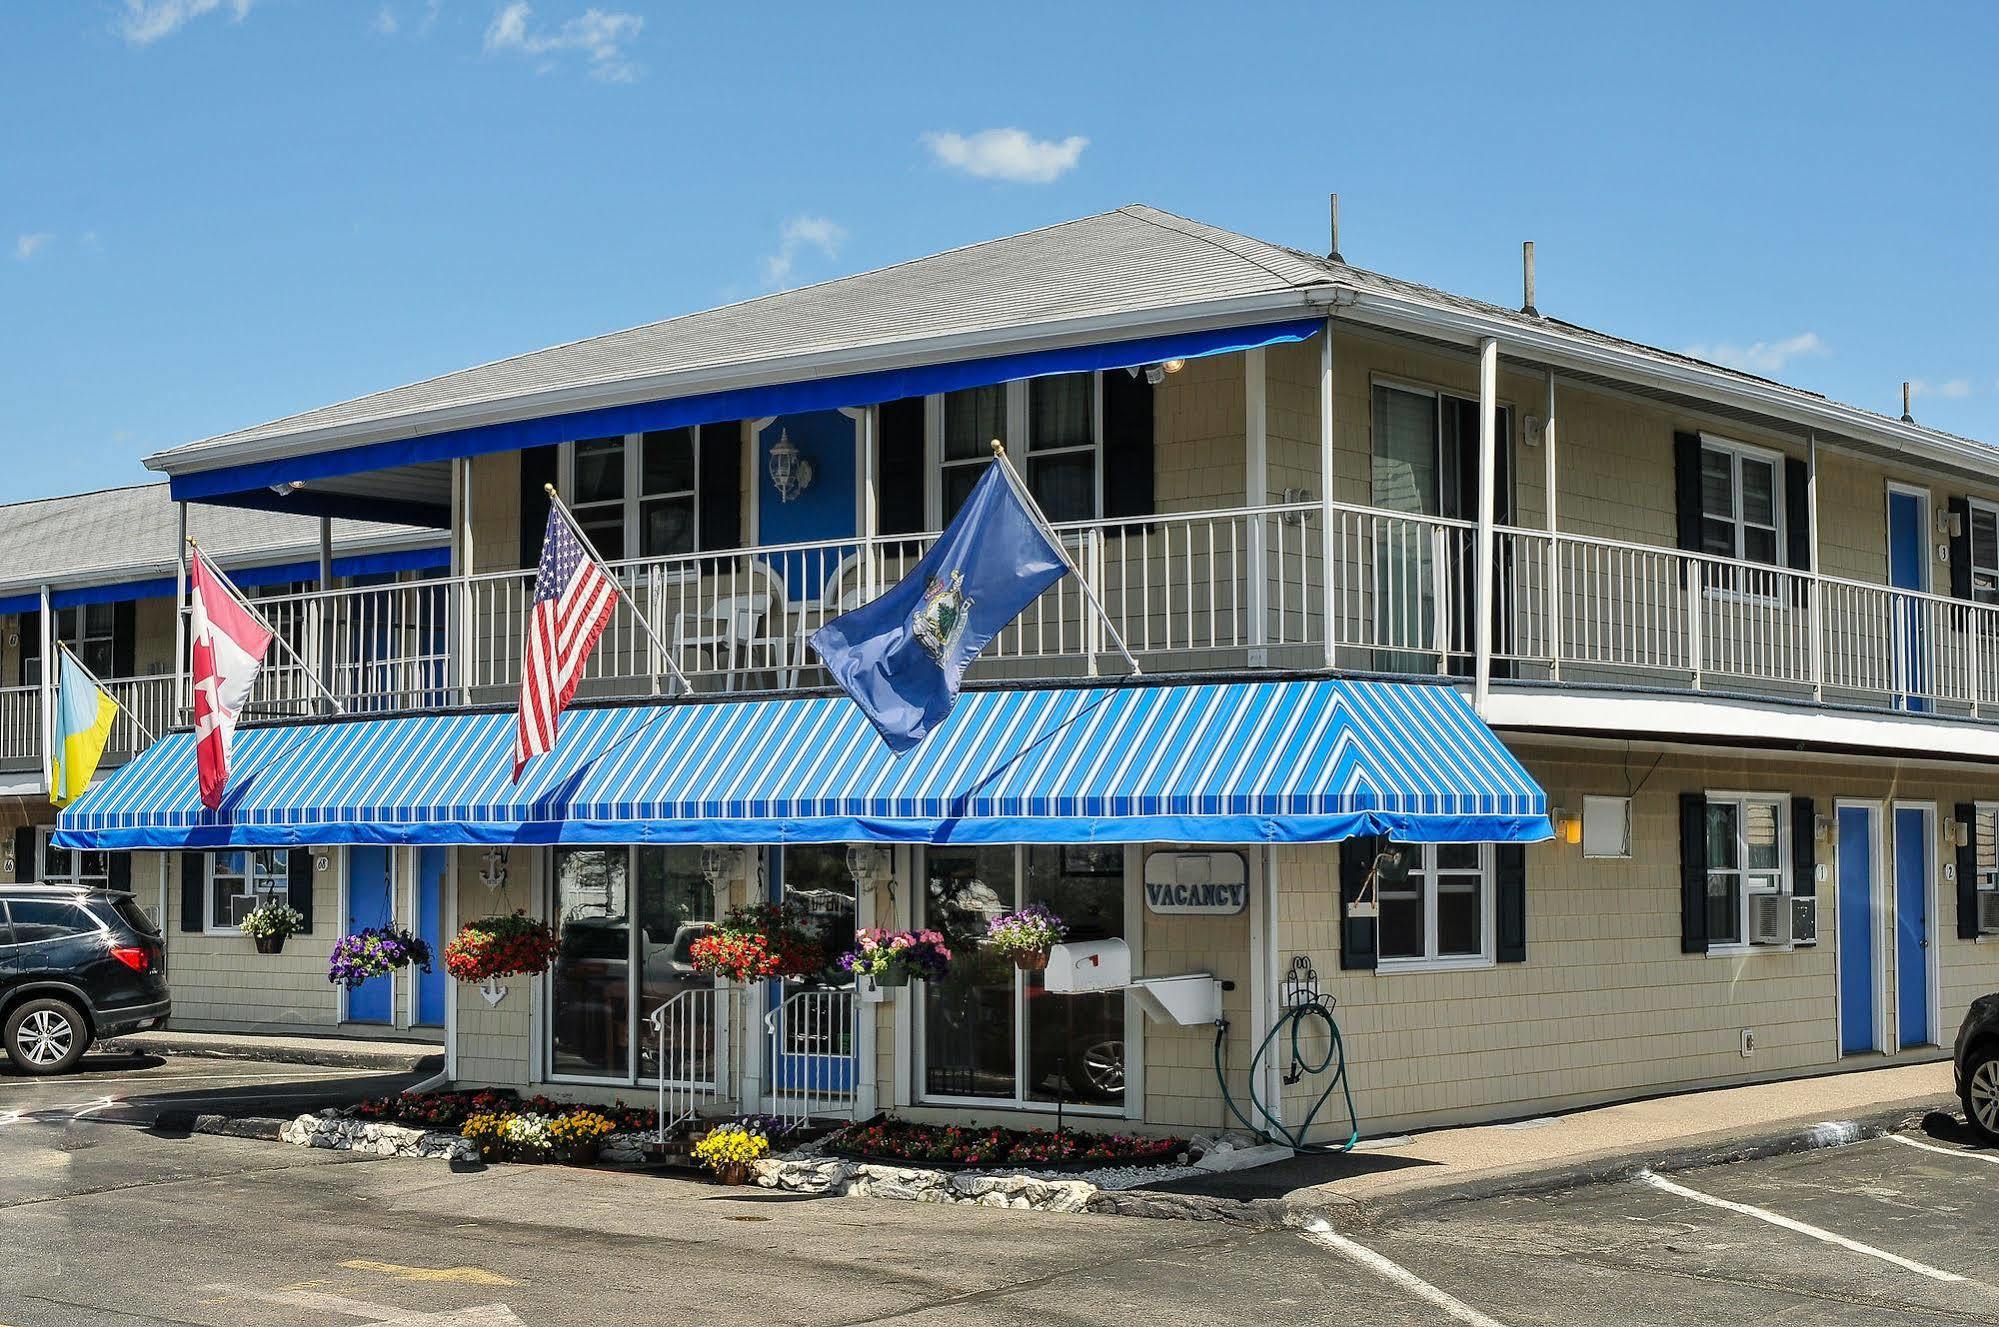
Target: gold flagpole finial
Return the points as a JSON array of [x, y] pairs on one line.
[[999, 448], [548, 489]]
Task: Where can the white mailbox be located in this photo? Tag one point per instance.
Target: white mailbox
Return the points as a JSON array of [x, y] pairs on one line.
[[1096, 965]]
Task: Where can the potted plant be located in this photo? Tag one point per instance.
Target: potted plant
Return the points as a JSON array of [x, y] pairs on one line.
[[270, 922], [891, 958], [1026, 936], [579, 1136], [728, 1149], [494, 947], [375, 951], [765, 940]]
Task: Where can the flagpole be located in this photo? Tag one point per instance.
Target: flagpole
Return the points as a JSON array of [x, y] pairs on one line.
[[1034, 508], [265, 623], [98, 682], [568, 518]]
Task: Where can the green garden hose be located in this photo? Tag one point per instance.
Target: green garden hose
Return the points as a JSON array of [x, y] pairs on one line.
[[1270, 1129]]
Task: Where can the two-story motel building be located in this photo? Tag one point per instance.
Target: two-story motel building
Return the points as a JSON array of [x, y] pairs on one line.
[[1394, 562]]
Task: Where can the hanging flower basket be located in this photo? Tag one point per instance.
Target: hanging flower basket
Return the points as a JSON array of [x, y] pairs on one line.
[[1026, 936], [269, 923], [757, 943], [891, 958], [375, 952], [495, 947]]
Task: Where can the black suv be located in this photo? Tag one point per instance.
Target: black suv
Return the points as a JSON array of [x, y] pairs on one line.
[[76, 964], [1977, 1060]]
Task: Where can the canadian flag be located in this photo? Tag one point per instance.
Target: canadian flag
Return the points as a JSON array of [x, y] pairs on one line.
[[228, 646]]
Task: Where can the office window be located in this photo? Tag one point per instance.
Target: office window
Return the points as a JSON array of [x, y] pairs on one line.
[[242, 879], [634, 495], [1441, 911]]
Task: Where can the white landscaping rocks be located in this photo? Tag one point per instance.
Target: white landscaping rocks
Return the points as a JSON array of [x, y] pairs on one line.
[[860, 1179], [332, 1130]]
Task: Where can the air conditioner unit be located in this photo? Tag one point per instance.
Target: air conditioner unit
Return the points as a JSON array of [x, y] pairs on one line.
[[1769, 919], [1804, 921], [1988, 912]]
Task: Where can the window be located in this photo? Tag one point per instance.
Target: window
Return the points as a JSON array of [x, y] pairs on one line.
[[90, 631], [1984, 541], [991, 1032], [243, 879], [40, 919], [1746, 851], [634, 494], [63, 866], [1985, 841], [1056, 442], [618, 911], [1742, 502], [1441, 912]]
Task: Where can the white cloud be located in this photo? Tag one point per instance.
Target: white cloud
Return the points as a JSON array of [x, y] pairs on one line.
[[1007, 154], [386, 22], [389, 21], [599, 35], [1761, 356], [146, 21], [1951, 389], [27, 246], [799, 234]]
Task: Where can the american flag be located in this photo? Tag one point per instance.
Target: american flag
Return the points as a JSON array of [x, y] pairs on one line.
[[573, 600]]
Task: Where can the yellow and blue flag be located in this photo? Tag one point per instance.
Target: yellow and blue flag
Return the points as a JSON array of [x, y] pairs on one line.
[[84, 714]]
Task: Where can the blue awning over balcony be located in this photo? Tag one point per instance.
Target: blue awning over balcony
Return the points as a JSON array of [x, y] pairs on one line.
[[1284, 761]]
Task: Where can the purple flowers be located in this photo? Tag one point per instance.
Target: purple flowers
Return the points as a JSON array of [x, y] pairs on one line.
[[892, 954], [375, 952], [1032, 930]]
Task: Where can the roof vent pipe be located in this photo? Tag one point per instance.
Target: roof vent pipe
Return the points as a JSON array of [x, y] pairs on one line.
[[1333, 223], [1527, 279], [1908, 404]]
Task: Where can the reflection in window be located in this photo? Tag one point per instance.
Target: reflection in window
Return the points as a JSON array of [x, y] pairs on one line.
[[589, 986], [244, 879]]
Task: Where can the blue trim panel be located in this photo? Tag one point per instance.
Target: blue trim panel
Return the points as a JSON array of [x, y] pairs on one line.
[[742, 403]]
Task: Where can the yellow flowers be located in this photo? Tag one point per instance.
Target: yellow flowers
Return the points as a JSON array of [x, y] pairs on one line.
[[730, 1145], [585, 1126]]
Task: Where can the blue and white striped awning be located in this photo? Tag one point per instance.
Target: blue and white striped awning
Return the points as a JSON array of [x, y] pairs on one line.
[[1284, 761]]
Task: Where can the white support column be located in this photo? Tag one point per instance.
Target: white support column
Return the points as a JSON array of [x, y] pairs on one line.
[[1328, 544], [1488, 467], [325, 610], [1552, 573], [1816, 589], [47, 697], [452, 990], [182, 701], [869, 523], [458, 614], [1256, 489], [1266, 974]]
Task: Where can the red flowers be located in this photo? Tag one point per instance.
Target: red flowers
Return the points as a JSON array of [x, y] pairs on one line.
[[960, 1145], [757, 942], [501, 947]]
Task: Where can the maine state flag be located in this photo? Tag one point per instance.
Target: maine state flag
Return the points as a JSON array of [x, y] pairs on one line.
[[902, 656]]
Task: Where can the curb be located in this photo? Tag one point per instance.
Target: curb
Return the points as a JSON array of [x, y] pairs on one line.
[[416, 1058]]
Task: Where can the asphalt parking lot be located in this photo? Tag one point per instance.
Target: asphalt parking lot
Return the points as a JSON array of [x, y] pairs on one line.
[[109, 1214]]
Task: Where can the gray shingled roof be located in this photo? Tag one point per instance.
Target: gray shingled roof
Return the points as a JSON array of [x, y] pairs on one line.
[[1119, 263], [121, 534]]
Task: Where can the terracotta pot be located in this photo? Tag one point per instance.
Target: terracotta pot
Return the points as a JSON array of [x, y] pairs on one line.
[[733, 1173], [1034, 962], [586, 1153], [270, 944]]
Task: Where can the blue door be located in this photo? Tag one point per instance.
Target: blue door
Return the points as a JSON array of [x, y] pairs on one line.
[[823, 513], [1908, 565], [431, 864], [1859, 953], [1912, 926], [812, 1018], [371, 896]]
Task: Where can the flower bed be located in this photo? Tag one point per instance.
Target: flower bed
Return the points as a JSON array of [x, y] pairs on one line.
[[450, 1110], [950, 1146]]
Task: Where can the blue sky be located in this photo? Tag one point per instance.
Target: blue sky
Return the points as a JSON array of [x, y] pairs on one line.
[[215, 212]]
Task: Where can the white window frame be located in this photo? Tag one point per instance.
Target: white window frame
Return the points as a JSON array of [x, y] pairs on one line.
[[632, 502], [71, 877], [1987, 569], [211, 924], [1741, 801], [1986, 814], [1132, 1107], [1018, 403], [1737, 453], [1423, 872]]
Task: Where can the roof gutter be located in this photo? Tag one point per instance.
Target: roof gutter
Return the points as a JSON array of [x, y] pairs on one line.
[[268, 556]]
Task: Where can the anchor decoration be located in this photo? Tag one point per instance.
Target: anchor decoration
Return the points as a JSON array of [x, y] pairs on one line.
[[492, 991], [493, 871]]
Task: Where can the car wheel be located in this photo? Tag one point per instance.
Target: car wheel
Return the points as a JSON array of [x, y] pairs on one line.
[[46, 1036], [1980, 1090], [1096, 1070]]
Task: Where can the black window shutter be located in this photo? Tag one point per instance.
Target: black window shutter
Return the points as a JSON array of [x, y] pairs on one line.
[[1687, 488], [27, 849], [31, 643], [1510, 870], [1128, 447], [124, 639], [721, 498], [193, 886], [118, 867], [1358, 949], [539, 465], [1804, 848], [1967, 873], [298, 884], [1693, 873], [1960, 549], [899, 464], [1797, 514]]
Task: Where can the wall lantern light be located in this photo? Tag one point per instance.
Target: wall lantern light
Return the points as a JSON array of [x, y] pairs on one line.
[[790, 469], [718, 865]]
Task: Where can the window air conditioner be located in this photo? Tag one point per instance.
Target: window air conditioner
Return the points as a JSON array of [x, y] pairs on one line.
[[1988, 912], [1804, 921], [1769, 920]]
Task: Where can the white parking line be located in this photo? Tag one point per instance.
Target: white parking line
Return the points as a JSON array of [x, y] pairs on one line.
[[1321, 1233], [1986, 1157], [1789, 1223]]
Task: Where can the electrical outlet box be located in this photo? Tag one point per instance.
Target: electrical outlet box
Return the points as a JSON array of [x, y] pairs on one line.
[[1748, 1042]]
